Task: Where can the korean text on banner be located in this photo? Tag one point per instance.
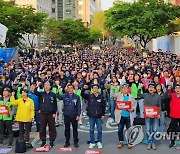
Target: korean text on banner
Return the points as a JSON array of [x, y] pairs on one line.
[[122, 105]]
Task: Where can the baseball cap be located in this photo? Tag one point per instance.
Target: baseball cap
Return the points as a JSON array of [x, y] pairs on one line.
[[7, 89], [151, 85]]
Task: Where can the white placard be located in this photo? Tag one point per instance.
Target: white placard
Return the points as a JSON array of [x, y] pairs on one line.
[[3, 31]]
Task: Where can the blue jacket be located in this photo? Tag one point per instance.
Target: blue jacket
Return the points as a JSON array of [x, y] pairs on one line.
[[35, 99], [72, 105], [48, 102]]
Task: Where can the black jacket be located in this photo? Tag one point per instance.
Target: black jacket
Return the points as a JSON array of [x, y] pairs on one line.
[[96, 105]]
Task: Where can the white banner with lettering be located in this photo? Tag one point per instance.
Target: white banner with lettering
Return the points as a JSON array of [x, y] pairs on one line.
[[3, 31]]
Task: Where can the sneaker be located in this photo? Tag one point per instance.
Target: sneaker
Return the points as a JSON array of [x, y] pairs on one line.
[[67, 145], [52, 144], [43, 144], [80, 122], [10, 145], [129, 146], [76, 145], [91, 146], [99, 144], [172, 145], [149, 146], [120, 145], [154, 146]]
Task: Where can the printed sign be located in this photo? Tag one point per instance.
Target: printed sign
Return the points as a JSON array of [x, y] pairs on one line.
[[5, 150], [4, 110], [151, 112], [65, 149], [93, 152], [43, 149], [121, 105]]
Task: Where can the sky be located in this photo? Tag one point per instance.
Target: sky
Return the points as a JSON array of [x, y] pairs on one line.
[[106, 4]]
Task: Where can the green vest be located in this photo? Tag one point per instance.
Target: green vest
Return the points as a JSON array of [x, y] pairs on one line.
[[3, 117], [55, 90], [78, 92], [134, 90], [99, 90], [19, 95], [117, 89]]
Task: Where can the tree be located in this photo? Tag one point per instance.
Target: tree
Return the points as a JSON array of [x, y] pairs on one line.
[[175, 27], [52, 31], [98, 23], [19, 21], [73, 31], [33, 23], [95, 35], [145, 19]]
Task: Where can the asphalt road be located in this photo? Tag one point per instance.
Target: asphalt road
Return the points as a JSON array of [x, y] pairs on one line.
[[110, 140]]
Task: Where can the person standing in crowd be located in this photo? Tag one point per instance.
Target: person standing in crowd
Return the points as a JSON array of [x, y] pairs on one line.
[[124, 117], [174, 112], [96, 112], [35, 98], [48, 109], [163, 113], [77, 91], [72, 112], [25, 113], [6, 120], [151, 124], [114, 86], [57, 89], [137, 91]]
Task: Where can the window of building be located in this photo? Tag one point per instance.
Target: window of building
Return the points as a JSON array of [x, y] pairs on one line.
[[68, 2], [53, 10], [68, 11], [53, 1], [80, 12], [80, 3]]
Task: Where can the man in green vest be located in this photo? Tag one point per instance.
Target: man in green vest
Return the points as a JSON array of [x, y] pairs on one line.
[[57, 89], [6, 120]]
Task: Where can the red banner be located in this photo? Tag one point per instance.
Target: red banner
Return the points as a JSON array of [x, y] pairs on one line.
[[93, 152], [121, 105], [65, 149], [151, 112], [4, 110]]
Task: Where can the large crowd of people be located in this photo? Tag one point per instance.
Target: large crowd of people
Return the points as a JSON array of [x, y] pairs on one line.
[[61, 88]]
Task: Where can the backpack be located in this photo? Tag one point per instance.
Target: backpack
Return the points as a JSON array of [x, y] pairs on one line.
[[20, 146]]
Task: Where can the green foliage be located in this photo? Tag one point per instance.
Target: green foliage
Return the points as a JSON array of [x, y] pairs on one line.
[[73, 31], [52, 31], [95, 35], [19, 21], [145, 19]]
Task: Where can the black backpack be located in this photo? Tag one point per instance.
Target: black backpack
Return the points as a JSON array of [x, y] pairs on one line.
[[20, 146]]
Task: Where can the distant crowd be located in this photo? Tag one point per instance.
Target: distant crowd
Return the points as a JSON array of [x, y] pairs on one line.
[[54, 89]]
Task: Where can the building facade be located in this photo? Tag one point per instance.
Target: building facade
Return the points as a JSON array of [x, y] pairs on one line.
[[85, 10], [38, 5], [175, 2]]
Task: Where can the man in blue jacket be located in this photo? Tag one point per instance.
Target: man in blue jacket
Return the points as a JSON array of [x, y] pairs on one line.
[[72, 112], [35, 98]]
